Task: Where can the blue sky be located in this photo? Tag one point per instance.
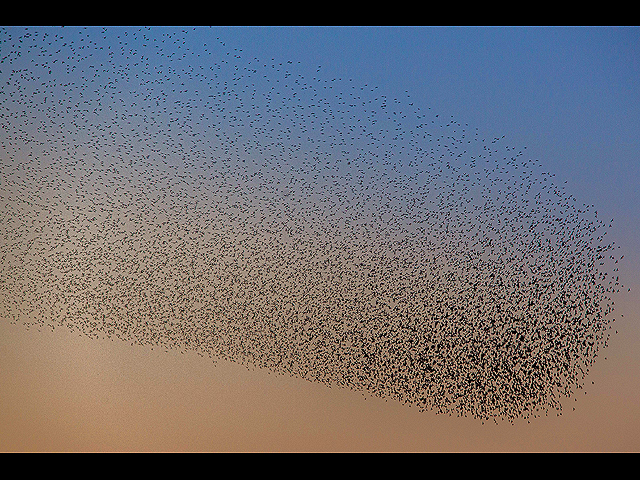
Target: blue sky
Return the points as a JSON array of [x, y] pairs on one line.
[[570, 95]]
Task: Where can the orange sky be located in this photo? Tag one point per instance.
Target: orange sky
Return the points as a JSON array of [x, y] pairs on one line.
[[65, 392]]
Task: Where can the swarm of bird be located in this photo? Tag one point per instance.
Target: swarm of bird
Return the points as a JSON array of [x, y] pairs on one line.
[[160, 187]]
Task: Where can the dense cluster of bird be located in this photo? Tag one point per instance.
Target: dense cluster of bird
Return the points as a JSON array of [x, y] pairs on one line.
[[161, 188]]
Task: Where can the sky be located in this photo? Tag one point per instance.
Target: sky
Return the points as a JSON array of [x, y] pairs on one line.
[[565, 99]]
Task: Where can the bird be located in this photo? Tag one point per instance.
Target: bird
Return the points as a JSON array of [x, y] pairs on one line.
[[170, 192]]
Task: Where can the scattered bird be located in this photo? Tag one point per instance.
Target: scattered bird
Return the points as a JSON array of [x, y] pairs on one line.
[[173, 192]]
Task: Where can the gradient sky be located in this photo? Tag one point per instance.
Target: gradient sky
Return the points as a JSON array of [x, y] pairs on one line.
[[570, 95]]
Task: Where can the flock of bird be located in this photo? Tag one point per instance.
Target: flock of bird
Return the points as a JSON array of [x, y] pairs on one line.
[[161, 188]]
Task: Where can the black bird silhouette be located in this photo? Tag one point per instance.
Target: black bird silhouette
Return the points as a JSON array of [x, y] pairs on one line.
[[174, 193]]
